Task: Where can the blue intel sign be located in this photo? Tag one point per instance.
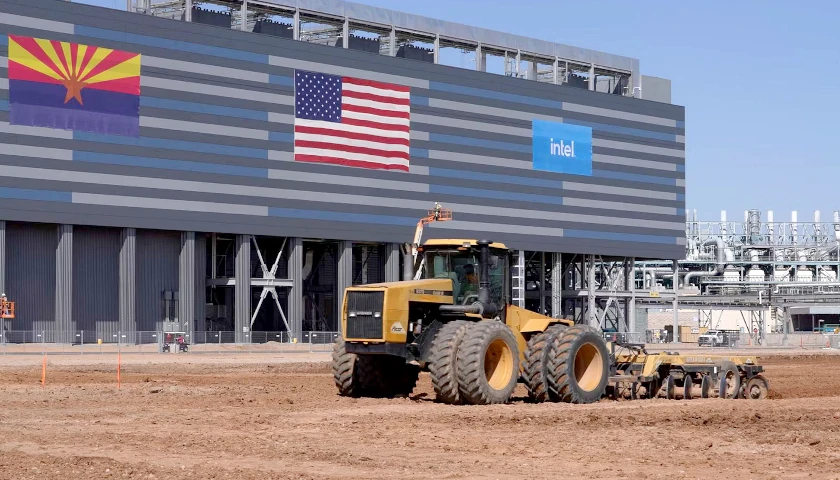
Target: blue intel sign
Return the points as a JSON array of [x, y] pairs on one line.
[[562, 148]]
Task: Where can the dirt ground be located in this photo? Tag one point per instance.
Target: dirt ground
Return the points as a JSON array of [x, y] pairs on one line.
[[267, 416]]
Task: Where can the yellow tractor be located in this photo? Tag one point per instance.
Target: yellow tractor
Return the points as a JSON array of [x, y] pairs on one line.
[[463, 330]]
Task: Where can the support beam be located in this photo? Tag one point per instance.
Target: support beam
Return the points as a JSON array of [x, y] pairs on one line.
[[296, 292], [591, 311], [345, 33], [592, 77], [296, 27], [542, 283], [392, 42], [480, 59], [242, 289], [128, 280], [408, 266], [518, 274], [186, 283], [188, 4], [630, 284], [437, 49], [556, 285], [676, 335], [200, 323], [64, 284], [392, 262], [344, 277], [244, 14]]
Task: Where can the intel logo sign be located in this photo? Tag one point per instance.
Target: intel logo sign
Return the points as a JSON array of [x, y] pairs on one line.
[[562, 148]]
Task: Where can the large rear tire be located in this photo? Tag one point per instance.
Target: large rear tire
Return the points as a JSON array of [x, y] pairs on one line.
[[355, 375], [578, 366], [488, 363], [535, 367], [442, 361]]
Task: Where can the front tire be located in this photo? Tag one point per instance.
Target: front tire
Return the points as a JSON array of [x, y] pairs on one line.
[[354, 375], [578, 366], [442, 361], [488, 363]]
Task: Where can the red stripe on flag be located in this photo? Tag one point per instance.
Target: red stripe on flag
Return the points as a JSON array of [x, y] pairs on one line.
[[22, 72], [375, 111], [371, 124], [371, 83], [349, 163], [32, 47], [375, 98], [56, 45], [351, 135], [130, 85], [351, 149]]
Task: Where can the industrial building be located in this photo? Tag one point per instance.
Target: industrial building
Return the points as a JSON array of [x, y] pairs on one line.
[[234, 165]]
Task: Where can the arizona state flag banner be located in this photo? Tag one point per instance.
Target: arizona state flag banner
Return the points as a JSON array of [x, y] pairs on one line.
[[73, 87]]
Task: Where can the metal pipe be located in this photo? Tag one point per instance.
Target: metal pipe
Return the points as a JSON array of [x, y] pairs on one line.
[[720, 262]]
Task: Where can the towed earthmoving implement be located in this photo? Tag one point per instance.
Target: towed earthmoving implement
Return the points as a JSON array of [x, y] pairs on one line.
[[476, 345]]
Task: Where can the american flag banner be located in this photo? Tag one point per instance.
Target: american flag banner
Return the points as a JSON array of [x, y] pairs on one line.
[[350, 121]]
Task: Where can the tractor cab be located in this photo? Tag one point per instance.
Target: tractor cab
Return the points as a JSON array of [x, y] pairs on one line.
[[459, 261]]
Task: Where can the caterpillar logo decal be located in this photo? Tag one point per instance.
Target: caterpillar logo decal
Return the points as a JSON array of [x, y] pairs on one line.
[[442, 293]]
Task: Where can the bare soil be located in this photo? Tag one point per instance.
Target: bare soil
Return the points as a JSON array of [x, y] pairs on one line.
[[271, 417]]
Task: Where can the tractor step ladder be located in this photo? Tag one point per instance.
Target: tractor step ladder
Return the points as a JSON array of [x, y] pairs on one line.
[[518, 274]]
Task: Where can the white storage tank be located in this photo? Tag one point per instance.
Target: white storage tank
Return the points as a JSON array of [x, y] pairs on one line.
[[804, 274], [781, 274], [755, 274], [731, 274]]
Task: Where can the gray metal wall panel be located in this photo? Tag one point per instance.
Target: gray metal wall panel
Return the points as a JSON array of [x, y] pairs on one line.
[[243, 286], [200, 277], [633, 129], [187, 281], [96, 280], [64, 284], [2, 259], [392, 262], [157, 271], [128, 279], [344, 275], [30, 274], [295, 314]]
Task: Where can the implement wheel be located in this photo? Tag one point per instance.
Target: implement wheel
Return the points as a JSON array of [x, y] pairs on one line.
[[442, 361], [729, 380], [355, 375], [535, 369], [488, 363], [756, 388], [578, 366]]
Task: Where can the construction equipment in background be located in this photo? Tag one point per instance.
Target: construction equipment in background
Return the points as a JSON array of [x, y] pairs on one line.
[[477, 345], [7, 308], [639, 374], [438, 214]]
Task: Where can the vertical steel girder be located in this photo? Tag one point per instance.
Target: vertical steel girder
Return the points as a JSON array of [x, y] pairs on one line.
[[242, 288], [64, 284]]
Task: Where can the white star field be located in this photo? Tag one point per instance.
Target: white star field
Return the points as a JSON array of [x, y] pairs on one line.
[[317, 96]]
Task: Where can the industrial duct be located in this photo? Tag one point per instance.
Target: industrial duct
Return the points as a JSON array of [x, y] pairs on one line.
[[720, 262]]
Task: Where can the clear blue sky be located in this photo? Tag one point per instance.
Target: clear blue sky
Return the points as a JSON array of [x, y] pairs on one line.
[[760, 82]]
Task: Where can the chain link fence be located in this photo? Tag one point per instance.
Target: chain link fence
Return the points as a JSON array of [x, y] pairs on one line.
[[91, 342]]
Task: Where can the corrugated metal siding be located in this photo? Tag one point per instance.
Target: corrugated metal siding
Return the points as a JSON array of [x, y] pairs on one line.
[[64, 284], [30, 275], [200, 282], [128, 279], [157, 271], [96, 279], [214, 149]]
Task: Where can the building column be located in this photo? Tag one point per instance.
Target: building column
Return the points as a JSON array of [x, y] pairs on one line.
[[186, 283], [200, 324], [3, 258], [128, 281], [296, 292], [630, 284], [392, 262], [344, 277], [591, 310], [556, 285], [676, 335], [64, 285], [242, 290]]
